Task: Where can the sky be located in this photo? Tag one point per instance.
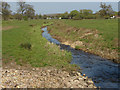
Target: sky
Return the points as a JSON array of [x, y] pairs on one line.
[[61, 7]]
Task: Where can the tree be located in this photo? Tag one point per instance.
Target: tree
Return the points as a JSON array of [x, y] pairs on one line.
[[5, 10], [65, 15], [40, 16], [115, 13], [36, 16], [29, 11], [86, 12], [73, 13], [78, 17], [106, 11], [18, 16], [22, 7], [44, 17], [119, 13], [26, 10]]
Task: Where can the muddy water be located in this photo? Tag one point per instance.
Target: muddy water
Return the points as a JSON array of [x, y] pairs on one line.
[[103, 72]]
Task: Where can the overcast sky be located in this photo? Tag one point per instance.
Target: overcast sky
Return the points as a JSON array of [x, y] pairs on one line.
[[61, 7]]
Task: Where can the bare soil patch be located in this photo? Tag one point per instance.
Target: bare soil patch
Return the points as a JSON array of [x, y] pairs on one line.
[[11, 64], [8, 27]]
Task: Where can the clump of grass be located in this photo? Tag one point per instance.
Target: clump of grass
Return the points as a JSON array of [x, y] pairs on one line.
[[26, 45], [32, 25], [47, 23], [77, 47]]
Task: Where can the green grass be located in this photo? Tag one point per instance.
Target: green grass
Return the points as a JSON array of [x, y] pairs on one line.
[[107, 27], [47, 24], [41, 52], [77, 47], [102, 39]]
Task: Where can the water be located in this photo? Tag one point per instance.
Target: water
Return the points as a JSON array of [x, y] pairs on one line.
[[103, 72]]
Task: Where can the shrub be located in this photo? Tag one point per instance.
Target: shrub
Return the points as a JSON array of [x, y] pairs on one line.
[[45, 22], [25, 18], [26, 45], [77, 47], [77, 17], [18, 16], [32, 25], [106, 17]]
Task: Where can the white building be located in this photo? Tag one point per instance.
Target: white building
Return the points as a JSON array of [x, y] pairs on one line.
[[49, 18], [113, 17], [60, 18]]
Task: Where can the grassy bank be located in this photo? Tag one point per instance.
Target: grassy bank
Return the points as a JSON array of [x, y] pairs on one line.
[[23, 43], [99, 37]]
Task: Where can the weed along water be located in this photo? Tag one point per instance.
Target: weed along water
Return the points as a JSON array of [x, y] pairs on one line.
[[103, 72]]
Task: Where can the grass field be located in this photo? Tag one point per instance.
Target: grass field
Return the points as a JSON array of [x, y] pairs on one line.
[[99, 36], [107, 27], [23, 43]]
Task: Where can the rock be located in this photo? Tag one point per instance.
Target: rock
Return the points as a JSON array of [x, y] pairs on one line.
[[33, 69], [85, 78], [68, 84], [83, 74], [73, 73], [43, 78], [86, 34], [96, 35], [66, 43], [78, 74], [90, 82], [80, 79], [90, 86], [76, 81], [77, 43]]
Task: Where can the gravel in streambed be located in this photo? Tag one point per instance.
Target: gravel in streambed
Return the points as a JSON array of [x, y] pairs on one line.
[[44, 78]]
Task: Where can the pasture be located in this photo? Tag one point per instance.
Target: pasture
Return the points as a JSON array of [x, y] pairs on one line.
[[23, 44]]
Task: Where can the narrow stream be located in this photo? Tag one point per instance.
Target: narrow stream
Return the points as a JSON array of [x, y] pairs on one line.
[[103, 72]]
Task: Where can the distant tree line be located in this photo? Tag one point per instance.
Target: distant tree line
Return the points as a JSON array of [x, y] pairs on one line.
[[105, 12], [27, 11]]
